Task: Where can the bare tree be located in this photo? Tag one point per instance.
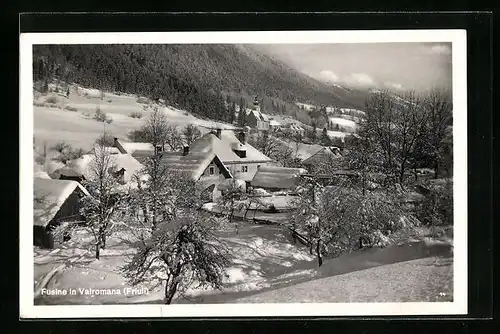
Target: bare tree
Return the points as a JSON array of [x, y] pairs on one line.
[[273, 148], [439, 112], [233, 199], [393, 125], [155, 128], [181, 248], [191, 133], [104, 205], [173, 138]]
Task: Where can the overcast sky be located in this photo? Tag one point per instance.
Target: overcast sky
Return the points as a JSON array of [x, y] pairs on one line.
[[397, 66]]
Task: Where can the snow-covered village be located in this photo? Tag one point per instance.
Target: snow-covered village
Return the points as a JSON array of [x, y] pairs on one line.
[[204, 174]]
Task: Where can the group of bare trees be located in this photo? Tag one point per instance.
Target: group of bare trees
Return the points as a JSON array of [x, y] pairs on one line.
[[407, 132], [177, 244], [160, 133], [399, 134]]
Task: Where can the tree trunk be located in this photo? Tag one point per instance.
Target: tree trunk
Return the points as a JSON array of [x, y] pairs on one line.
[[170, 293], [402, 174], [318, 253], [103, 241], [311, 247], [98, 250]]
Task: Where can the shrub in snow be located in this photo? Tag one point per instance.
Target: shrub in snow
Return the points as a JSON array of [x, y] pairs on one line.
[[142, 100], [66, 152], [70, 108], [52, 99], [101, 116], [338, 219], [135, 114], [437, 207]]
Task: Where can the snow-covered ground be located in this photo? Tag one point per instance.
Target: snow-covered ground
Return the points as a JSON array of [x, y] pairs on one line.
[[306, 106], [261, 254], [346, 123], [54, 122]]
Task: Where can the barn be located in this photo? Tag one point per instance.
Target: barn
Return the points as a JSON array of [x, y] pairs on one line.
[[54, 202]]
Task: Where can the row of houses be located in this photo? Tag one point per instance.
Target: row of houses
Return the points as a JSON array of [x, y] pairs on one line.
[[214, 161]]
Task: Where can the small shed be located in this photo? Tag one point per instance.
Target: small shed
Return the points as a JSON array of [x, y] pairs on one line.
[[277, 178], [54, 202]]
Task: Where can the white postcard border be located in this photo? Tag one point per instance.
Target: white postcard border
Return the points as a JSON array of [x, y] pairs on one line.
[[26, 270]]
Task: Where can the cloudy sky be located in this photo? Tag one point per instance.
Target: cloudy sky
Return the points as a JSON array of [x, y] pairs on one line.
[[398, 66]]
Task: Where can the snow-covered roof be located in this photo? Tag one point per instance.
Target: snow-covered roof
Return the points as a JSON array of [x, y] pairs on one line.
[[49, 196], [223, 148], [274, 123], [258, 115], [132, 147], [112, 150], [192, 164], [323, 153], [83, 166], [41, 174], [277, 177]]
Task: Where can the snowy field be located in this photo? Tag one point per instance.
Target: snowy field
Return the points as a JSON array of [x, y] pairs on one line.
[[262, 257], [346, 123], [70, 119]]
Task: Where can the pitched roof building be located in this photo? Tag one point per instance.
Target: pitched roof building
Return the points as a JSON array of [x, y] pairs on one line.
[[256, 119], [322, 155], [121, 165], [54, 201], [277, 178], [217, 156]]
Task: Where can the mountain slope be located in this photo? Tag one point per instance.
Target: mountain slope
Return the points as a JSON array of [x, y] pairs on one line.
[[185, 75]]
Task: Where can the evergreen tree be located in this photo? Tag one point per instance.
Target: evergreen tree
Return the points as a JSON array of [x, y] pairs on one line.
[[325, 139]]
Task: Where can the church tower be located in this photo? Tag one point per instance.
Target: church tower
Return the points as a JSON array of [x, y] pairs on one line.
[[256, 105]]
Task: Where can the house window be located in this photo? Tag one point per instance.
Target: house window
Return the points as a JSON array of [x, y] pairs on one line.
[[211, 170], [244, 169]]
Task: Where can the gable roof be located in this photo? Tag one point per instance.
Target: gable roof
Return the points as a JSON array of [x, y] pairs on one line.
[[277, 177], [258, 115], [132, 147], [223, 148], [325, 152], [48, 197], [192, 164], [82, 166]]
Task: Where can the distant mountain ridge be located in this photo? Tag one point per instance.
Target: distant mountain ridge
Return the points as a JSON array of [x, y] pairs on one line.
[[187, 75]]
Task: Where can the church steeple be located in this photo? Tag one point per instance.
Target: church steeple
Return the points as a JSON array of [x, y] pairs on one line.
[[256, 105]]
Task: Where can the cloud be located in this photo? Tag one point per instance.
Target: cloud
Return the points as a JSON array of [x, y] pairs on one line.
[[359, 79], [329, 76], [394, 85]]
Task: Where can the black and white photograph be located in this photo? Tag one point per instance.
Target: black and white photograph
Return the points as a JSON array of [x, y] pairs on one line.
[[252, 173]]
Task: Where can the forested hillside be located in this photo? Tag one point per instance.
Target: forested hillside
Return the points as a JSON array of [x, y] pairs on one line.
[[190, 76]]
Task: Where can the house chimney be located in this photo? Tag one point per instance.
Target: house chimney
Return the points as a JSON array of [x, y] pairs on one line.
[[218, 132], [186, 150], [242, 137]]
